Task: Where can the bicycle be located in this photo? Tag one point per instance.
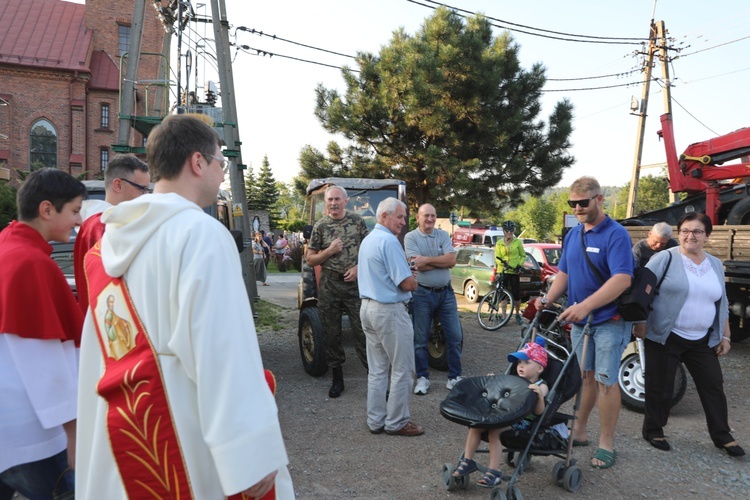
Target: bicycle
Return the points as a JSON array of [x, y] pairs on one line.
[[496, 308]]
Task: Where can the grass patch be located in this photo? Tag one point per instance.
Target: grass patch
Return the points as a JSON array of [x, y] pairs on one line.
[[270, 317]]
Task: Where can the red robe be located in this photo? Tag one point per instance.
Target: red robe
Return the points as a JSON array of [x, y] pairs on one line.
[[35, 300], [91, 231]]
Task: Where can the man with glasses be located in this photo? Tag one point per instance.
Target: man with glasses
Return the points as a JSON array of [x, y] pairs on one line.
[[125, 178], [188, 408], [603, 244], [659, 238]]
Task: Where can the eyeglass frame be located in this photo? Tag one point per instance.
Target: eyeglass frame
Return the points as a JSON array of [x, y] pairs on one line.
[[582, 203], [694, 232], [222, 161], [143, 189]]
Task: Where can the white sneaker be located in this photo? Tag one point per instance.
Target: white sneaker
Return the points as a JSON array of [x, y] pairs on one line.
[[423, 385], [452, 382]]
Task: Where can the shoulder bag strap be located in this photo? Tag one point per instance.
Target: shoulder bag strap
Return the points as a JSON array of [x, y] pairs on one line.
[[588, 259], [658, 285]]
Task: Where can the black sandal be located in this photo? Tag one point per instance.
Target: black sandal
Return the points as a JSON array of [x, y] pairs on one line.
[[490, 479], [466, 467]]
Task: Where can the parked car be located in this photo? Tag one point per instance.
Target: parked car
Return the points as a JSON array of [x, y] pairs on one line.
[[548, 256], [473, 276], [62, 253]]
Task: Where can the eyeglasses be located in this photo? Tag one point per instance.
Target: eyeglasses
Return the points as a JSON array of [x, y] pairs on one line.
[[222, 161], [143, 189], [581, 203], [696, 232]]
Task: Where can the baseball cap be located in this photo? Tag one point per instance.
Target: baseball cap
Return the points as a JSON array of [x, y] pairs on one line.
[[533, 351]]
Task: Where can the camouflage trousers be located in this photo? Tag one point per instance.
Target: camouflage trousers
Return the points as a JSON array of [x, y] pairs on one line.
[[335, 297]]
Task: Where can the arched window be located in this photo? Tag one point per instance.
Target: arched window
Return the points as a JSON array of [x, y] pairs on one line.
[[42, 145]]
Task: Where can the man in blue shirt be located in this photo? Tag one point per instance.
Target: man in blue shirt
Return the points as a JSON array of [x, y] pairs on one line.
[[607, 245], [432, 254], [385, 286]]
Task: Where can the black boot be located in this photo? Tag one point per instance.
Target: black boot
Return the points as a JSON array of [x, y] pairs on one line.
[[338, 383]]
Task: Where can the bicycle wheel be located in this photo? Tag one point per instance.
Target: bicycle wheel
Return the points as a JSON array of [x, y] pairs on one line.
[[495, 309]]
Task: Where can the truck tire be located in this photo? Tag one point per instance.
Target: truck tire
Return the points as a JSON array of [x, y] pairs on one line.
[[311, 342], [437, 350], [631, 381], [739, 215]]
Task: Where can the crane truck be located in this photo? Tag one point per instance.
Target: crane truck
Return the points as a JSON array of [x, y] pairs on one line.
[[723, 193]]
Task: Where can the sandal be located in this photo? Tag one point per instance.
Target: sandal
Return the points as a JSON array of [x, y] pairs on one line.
[[490, 479], [466, 467], [607, 457]]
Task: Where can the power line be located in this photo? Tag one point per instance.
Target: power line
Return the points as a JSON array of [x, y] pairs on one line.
[[693, 116], [627, 73], [261, 52], [593, 88], [540, 29], [611, 42], [714, 47], [260, 33]]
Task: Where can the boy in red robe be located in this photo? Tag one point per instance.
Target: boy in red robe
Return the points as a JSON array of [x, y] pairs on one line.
[[40, 323]]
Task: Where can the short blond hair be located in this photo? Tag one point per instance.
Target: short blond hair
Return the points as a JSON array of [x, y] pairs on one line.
[[586, 184]]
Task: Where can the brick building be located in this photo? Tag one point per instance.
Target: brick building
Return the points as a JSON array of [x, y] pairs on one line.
[[60, 66]]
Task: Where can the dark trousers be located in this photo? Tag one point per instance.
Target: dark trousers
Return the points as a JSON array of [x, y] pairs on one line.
[[703, 364], [337, 296]]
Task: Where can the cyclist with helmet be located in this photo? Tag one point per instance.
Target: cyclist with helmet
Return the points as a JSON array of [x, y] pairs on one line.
[[510, 255]]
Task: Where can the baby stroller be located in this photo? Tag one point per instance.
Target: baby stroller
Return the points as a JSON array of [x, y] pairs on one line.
[[491, 402]]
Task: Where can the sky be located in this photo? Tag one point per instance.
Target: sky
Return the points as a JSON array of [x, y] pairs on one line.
[[276, 95]]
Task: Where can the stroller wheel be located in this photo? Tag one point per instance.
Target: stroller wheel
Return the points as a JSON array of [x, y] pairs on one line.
[[572, 479], [449, 481], [514, 460], [498, 494], [558, 471], [514, 493]]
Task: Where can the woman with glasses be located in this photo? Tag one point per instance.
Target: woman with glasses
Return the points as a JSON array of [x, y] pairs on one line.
[[689, 324]]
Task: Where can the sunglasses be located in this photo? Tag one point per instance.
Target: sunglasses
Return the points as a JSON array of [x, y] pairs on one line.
[[581, 203], [143, 189]]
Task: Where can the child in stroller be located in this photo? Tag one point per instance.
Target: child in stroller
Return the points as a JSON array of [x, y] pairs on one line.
[[504, 405], [530, 363]]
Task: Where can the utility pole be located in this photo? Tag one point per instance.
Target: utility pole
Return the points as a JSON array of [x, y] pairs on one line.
[[232, 136], [127, 96], [642, 113], [661, 33], [657, 42]]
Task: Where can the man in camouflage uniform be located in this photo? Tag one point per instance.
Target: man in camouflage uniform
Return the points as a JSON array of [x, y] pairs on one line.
[[334, 245]]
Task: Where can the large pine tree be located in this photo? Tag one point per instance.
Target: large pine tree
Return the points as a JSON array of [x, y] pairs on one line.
[[450, 111]]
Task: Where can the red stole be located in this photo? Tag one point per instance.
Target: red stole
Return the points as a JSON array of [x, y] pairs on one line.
[[35, 300], [140, 426], [89, 233]]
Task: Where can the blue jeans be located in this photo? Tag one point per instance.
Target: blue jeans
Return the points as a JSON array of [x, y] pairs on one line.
[[37, 480], [607, 342], [426, 306]]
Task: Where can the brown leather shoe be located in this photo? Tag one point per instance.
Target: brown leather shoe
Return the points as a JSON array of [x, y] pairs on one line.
[[410, 429]]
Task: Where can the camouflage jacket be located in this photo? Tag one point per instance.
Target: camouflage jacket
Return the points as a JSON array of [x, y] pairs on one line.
[[351, 229]]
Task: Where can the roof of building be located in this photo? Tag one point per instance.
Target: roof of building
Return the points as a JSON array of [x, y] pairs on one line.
[[104, 72], [44, 34]]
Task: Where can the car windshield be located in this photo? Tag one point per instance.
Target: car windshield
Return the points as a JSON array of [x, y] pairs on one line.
[[553, 255]]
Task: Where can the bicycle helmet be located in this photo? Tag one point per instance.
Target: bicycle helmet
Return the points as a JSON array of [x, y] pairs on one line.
[[509, 225]]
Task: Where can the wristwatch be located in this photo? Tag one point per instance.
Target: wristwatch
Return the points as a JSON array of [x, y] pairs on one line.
[[544, 301]]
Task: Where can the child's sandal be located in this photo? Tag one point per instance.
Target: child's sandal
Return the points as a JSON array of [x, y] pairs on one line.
[[490, 479], [466, 467]]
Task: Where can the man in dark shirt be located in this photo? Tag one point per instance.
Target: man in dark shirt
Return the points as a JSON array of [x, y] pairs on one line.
[[659, 238]]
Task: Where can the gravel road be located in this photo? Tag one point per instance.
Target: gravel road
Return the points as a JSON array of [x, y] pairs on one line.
[[333, 455]]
